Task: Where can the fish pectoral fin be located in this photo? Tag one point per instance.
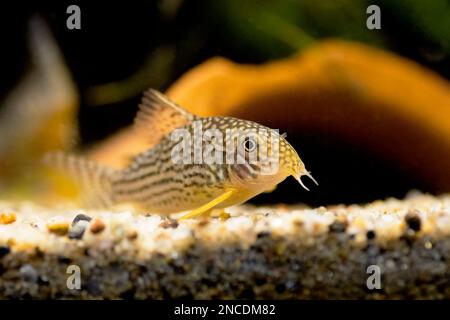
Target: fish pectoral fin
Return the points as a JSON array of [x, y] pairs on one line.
[[206, 207]]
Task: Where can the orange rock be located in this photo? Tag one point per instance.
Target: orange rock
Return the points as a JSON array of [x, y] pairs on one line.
[[58, 228], [97, 226]]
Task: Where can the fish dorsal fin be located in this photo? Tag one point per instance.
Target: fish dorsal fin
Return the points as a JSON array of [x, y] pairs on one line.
[[158, 116]]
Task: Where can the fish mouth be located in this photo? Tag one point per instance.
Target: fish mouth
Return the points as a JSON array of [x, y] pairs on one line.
[[308, 174]]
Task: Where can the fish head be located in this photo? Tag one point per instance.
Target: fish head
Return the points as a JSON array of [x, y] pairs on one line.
[[258, 157]]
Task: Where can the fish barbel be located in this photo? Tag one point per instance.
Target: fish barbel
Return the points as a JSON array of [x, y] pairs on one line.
[[195, 163]]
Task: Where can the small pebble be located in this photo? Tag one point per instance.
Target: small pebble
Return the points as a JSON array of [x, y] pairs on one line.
[[97, 226], [7, 218], [4, 251], [29, 274], [413, 221], [77, 230], [263, 234], [203, 222], [224, 216], [81, 217], [337, 226], [371, 235], [169, 223], [58, 228], [132, 234]]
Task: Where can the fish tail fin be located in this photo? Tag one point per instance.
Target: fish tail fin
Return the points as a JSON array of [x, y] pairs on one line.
[[94, 179]]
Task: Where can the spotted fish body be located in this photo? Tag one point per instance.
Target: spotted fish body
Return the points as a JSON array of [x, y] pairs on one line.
[[156, 182]]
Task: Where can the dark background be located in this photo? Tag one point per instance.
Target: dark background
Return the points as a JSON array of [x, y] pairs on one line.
[[117, 39]]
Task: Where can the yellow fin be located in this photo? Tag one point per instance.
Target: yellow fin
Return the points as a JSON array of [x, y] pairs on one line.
[[158, 116], [93, 178], [206, 207]]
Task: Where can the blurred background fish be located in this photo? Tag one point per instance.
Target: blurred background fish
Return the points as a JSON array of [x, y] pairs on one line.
[[38, 115]]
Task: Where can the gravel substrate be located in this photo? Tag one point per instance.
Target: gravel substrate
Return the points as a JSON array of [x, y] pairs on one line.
[[259, 252]]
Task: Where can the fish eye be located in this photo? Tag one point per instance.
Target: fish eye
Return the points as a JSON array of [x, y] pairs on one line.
[[249, 144]]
